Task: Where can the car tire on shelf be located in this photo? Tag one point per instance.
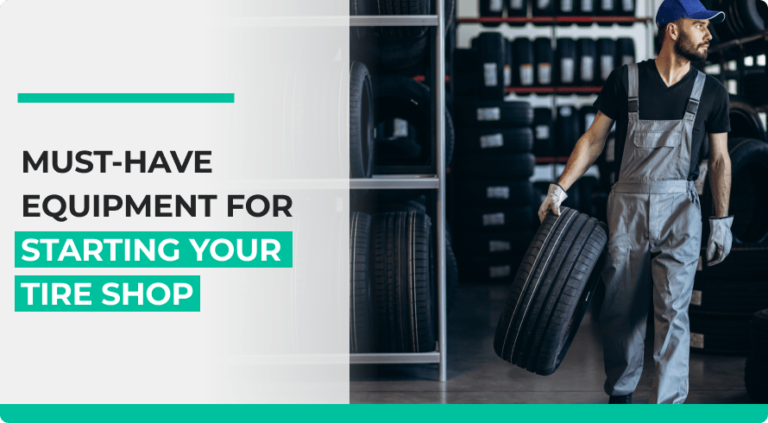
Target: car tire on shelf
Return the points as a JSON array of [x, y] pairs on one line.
[[523, 73], [497, 166], [587, 66], [491, 9], [567, 62], [566, 130], [497, 243], [544, 57], [495, 192], [403, 297], [361, 117], [606, 54], [474, 139], [361, 336], [496, 218], [749, 170], [493, 113], [625, 51], [551, 291], [543, 145], [492, 51], [401, 97]]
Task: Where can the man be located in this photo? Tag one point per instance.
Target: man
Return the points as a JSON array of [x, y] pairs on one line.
[[663, 110]]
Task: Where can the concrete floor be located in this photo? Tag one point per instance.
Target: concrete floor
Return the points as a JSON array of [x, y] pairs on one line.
[[477, 375]]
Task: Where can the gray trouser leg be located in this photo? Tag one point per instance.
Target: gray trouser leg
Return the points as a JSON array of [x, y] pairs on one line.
[[628, 288], [673, 273]]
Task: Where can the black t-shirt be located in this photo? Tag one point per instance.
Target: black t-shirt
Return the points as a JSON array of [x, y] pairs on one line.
[[659, 102]]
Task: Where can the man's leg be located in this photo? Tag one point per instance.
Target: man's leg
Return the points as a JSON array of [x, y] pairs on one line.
[[673, 270], [627, 281]]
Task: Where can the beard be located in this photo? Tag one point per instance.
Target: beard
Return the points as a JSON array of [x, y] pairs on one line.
[[685, 47]]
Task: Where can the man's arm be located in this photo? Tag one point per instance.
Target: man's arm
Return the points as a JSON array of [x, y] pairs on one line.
[[720, 173], [587, 150]]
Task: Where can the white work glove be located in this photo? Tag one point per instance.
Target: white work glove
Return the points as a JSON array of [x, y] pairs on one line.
[[555, 197], [720, 239]]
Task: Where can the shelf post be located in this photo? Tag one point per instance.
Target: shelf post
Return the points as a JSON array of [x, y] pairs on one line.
[[440, 139]]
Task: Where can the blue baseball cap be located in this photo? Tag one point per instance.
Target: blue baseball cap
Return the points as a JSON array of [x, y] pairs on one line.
[[672, 10]]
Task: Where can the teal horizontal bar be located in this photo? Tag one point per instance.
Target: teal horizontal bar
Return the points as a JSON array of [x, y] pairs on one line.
[[126, 98], [539, 413]]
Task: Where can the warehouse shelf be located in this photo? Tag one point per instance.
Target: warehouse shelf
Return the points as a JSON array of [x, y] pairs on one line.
[[396, 182], [420, 179], [564, 90], [394, 20], [556, 19], [395, 358], [422, 78]]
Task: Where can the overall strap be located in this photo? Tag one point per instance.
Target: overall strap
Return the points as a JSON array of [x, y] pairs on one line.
[[633, 104], [698, 87]]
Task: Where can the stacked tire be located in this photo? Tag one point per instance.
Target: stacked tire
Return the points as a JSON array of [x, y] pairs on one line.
[[494, 140], [756, 367], [726, 296]]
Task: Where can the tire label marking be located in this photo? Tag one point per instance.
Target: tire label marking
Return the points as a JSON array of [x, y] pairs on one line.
[[495, 6], [587, 68], [566, 70], [542, 132], [488, 114], [500, 271], [499, 246], [497, 193], [489, 74], [491, 141], [526, 74], [606, 66], [493, 219], [545, 74]]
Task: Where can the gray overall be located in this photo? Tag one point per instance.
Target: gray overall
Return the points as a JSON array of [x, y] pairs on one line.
[[654, 223]]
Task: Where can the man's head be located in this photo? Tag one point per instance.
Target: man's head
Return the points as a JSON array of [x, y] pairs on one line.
[[688, 37], [684, 24]]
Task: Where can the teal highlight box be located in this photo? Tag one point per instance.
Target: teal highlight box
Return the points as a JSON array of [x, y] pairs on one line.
[[153, 249], [69, 293]]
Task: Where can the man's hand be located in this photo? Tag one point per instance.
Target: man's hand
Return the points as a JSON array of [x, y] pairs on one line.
[[555, 197], [720, 239]]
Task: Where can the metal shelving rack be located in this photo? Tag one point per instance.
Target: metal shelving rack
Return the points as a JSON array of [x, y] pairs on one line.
[[436, 182], [555, 91]]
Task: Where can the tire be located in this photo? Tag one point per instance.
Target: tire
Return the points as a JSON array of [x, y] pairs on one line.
[[492, 49], [758, 333], [551, 291], [495, 192], [497, 166], [403, 301], [494, 113], [497, 243], [451, 275], [566, 131], [491, 9], [402, 7], [607, 8], [496, 218], [361, 305], [587, 69], [722, 334], [567, 62], [543, 145], [756, 378], [543, 8], [606, 53], [745, 121], [358, 8], [625, 51], [626, 8], [464, 59], [494, 140], [585, 8], [544, 56], [467, 84], [744, 264], [517, 8], [401, 97], [361, 141], [523, 73], [749, 170], [509, 61], [754, 78], [729, 296], [565, 8]]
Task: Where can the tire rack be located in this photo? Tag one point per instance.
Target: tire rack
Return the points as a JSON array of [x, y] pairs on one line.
[[553, 91], [736, 50], [434, 181]]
